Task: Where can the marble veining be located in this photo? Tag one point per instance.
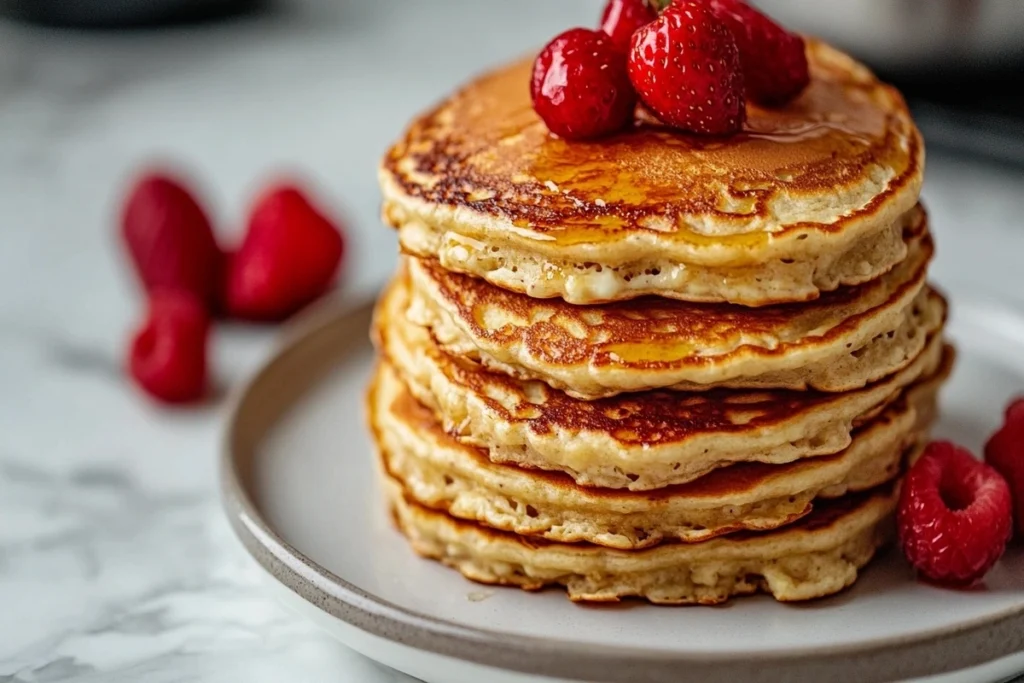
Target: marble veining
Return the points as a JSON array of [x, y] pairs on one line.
[[116, 562], [105, 579]]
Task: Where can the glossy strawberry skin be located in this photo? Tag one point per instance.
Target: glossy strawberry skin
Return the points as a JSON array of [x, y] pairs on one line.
[[774, 61], [685, 66], [580, 88], [621, 19]]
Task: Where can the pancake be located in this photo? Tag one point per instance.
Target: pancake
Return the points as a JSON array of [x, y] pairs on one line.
[[807, 198], [639, 441], [842, 341], [438, 472], [817, 556]]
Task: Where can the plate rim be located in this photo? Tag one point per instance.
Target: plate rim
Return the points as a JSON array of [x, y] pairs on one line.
[[936, 651]]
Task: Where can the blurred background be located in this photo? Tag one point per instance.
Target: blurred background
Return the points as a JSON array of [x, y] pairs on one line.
[[239, 91], [957, 61], [235, 93]]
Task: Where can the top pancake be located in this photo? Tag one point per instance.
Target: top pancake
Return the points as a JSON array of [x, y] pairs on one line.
[[805, 199]]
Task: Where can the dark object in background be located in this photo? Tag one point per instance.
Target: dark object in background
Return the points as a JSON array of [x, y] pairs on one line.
[[912, 38], [977, 114], [123, 13], [958, 62]]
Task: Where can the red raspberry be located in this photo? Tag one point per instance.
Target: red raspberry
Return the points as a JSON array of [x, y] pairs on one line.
[[289, 257], [622, 18], [170, 240], [774, 60], [168, 353], [1005, 452], [954, 515], [580, 87], [686, 67]]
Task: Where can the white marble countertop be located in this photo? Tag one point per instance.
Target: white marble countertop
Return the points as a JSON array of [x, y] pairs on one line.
[[116, 563]]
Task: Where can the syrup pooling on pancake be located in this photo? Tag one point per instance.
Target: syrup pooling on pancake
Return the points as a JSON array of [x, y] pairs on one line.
[[596, 351], [638, 441], [487, 141], [808, 198]]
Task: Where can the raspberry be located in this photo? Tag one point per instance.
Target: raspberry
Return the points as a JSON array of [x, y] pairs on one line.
[[686, 67], [622, 18], [290, 255], [954, 515], [1005, 452], [167, 356], [774, 60], [170, 240], [580, 87]]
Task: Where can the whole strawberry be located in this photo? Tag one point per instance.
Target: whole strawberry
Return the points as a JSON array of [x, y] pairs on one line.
[[954, 515], [774, 60], [621, 18], [1005, 452], [167, 356], [686, 67], [580, 87], [170, 240], [290, 256]]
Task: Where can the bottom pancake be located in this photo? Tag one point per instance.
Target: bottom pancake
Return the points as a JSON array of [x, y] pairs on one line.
[[815, 557], [438, 472]]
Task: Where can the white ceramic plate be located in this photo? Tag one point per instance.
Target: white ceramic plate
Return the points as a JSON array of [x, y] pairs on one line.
[[299, 485]]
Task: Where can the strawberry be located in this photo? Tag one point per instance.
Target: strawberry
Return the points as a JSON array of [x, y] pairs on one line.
[[170, 240], [289, 256], [1015, 410], [167, 356], [621, 18], [1005, 452], [774, 60], [954, 515], [686, 67], [580, 87]]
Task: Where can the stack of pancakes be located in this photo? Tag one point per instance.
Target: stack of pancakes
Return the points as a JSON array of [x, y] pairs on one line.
[[657, 365]]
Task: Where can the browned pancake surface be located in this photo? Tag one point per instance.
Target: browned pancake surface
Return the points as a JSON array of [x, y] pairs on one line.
[[485, 149]]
